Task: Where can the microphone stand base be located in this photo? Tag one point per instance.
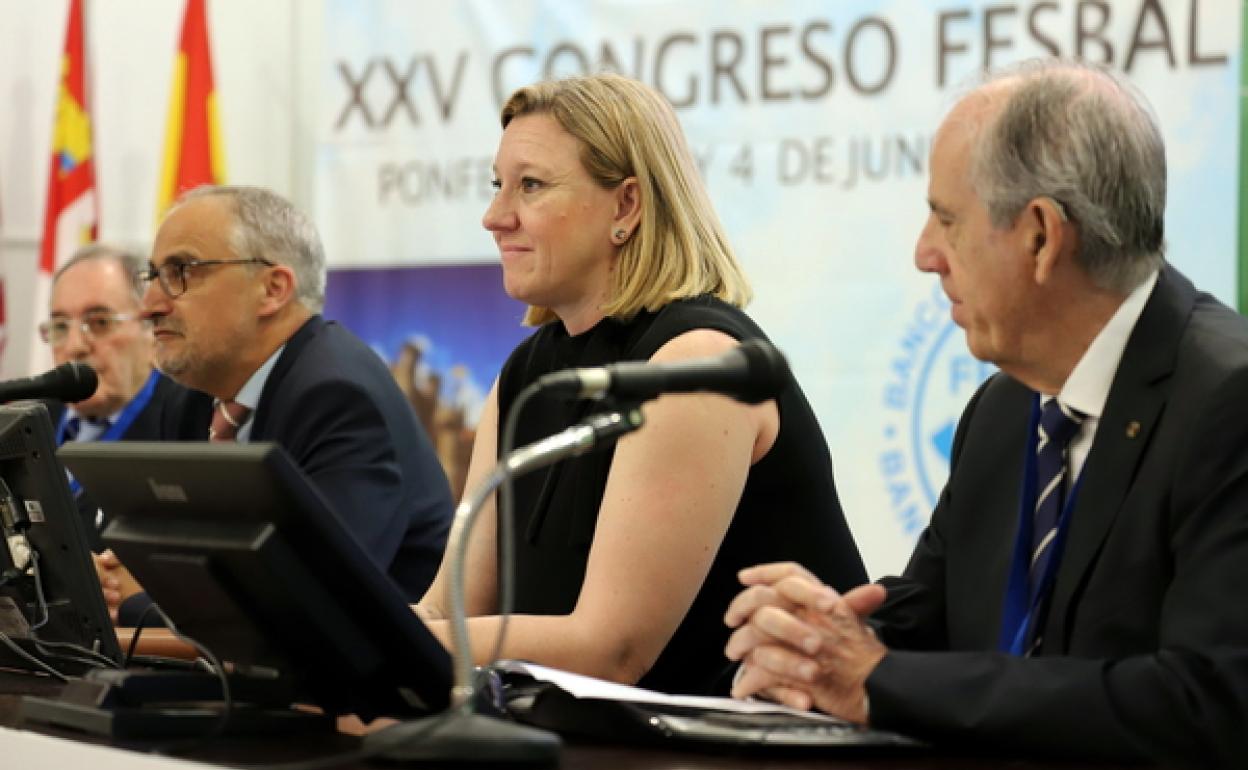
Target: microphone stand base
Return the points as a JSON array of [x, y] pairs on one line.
[[460, 735]]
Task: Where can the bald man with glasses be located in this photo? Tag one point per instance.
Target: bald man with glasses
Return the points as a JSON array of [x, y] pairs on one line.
[[94, 317]]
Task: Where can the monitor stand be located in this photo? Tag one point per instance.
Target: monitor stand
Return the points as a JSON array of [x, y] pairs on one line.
[[461, 736], [172, 704]]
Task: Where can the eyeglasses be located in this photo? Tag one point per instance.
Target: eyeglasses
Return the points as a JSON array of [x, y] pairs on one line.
[[95, 325], [172, 274]]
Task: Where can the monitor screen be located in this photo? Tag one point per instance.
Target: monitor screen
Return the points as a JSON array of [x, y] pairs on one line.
[[247, 558], [51, 606]]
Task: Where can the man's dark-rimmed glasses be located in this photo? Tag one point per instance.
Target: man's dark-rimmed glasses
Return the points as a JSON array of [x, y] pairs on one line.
[[172, 274]]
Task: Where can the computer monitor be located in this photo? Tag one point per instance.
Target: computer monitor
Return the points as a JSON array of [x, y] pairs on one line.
[[246, 557], [51, 606]]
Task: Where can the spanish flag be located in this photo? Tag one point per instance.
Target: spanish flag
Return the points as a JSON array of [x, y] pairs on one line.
[[71, 214], [193, 151]]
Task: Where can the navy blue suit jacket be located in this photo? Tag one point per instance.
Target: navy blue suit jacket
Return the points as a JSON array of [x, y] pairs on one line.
[[333, 405], [1145, 645]]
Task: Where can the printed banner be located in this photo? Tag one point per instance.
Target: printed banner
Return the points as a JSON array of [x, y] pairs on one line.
[[811, 123], [444, 331]]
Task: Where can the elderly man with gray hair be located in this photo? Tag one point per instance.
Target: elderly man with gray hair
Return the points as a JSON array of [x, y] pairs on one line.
[[233, 294], [1079, 590]]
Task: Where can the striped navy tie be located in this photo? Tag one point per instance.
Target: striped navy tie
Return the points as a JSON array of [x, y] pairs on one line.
[[1058, 425]]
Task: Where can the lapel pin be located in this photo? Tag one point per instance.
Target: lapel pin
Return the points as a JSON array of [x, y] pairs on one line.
[[1133, 428]]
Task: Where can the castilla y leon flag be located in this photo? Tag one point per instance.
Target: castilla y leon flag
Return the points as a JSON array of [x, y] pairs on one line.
[[193, 152], [70, 217]]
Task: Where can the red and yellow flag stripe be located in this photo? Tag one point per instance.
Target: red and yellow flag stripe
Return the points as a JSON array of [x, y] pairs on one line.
[[193, 149]]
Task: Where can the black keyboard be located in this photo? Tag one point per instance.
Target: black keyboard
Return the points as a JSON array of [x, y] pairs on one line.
[[772, 728]]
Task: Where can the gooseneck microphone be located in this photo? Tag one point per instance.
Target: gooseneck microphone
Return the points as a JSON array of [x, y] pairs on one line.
[[462, 734], [752, 372], [71, 381]]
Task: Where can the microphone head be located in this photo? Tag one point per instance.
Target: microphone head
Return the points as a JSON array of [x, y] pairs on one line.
[[768, 371], [73, 381]]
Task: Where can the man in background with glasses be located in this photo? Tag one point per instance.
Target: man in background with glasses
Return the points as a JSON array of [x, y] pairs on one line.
[[233, 295], [94, 317]]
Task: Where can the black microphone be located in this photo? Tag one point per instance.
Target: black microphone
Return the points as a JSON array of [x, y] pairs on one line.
[[71, 381], [752, 372]]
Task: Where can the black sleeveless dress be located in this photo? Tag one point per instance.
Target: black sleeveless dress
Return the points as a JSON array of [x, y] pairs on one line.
[[788, 510]]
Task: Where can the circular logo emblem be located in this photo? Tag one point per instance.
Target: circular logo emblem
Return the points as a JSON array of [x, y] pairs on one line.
[[931, 377]]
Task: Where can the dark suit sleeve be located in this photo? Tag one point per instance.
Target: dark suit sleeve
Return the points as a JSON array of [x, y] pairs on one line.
[[913, 617], [342, 443], [1187, 701], [134, 608]]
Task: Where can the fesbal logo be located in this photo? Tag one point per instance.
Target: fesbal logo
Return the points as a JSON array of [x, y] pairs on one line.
[[931, 377]]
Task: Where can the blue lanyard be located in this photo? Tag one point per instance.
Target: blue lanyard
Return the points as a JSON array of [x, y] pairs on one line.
[[119, 426], [1022, 605]]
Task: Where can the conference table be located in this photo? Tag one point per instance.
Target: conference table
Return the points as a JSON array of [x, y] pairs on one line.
[[57, 748]]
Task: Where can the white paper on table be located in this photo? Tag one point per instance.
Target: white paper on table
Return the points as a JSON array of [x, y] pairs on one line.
[[582, 686]]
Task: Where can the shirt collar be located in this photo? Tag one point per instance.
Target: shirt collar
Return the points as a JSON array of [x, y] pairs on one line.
[[1087, 387], [249, 394], [71, 412]]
